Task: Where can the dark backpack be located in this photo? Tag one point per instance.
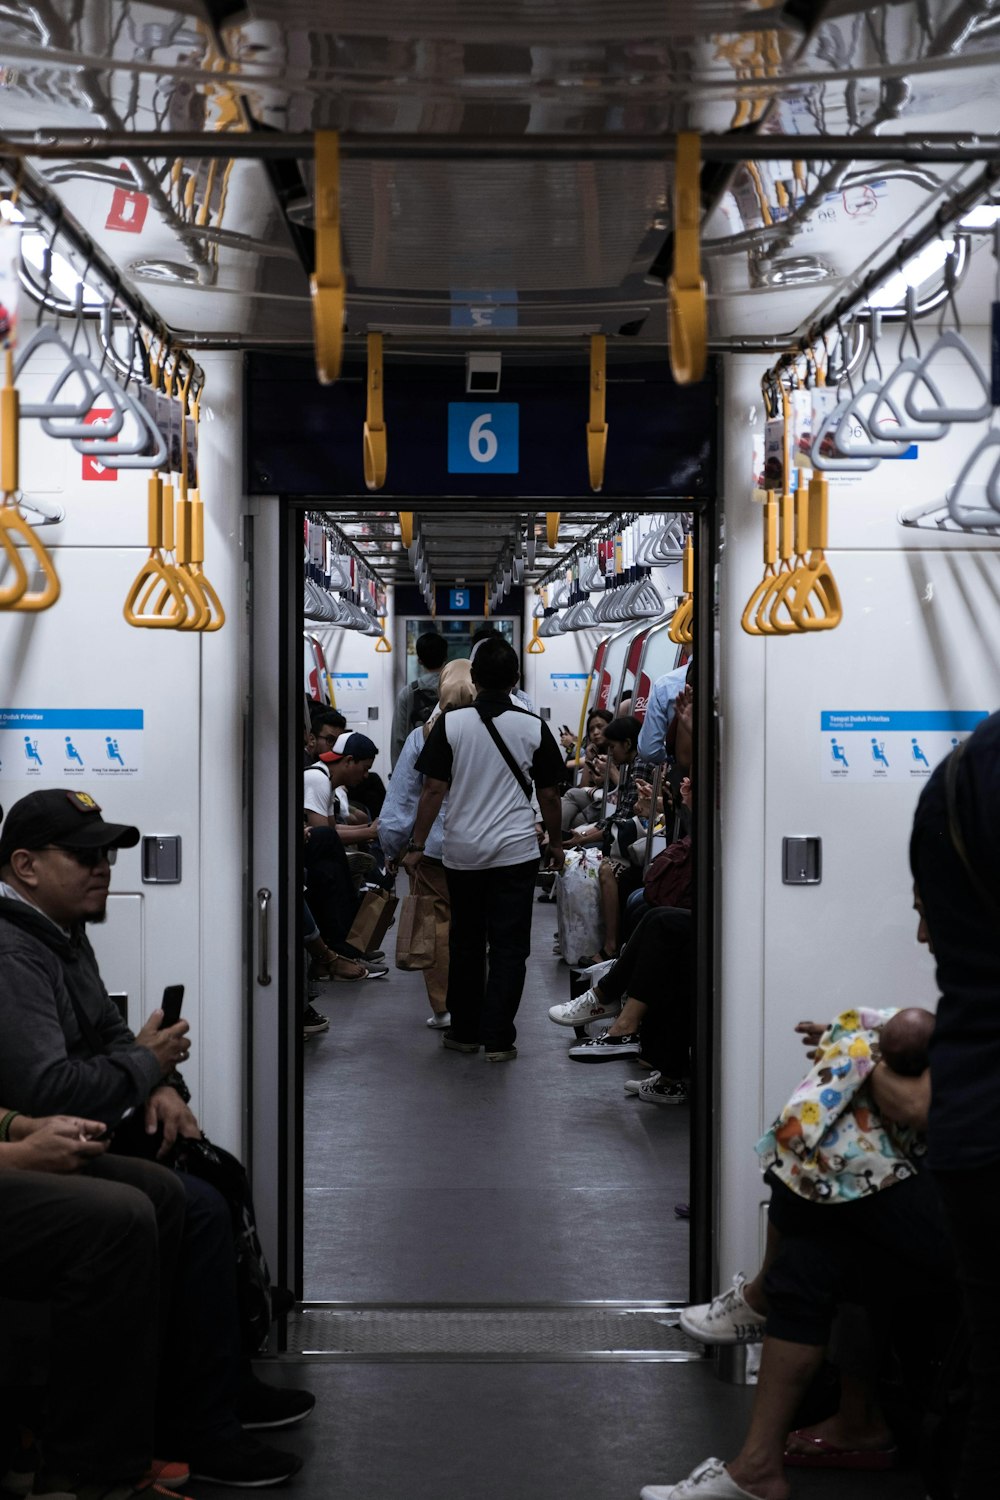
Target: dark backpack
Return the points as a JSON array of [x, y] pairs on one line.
[[423, 703], [253, 1279]]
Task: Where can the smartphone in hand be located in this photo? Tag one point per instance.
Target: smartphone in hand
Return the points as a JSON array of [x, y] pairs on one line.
[[173, 997]]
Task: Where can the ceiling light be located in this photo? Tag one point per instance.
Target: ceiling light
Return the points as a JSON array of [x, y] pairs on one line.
[[920, 268], [63, 277], [985, 216]]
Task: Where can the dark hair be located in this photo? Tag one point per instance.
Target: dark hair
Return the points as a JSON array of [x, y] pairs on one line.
[[331, 716], [599, 713], [625, 728], [495, 665], [432, 650], [484, 632]]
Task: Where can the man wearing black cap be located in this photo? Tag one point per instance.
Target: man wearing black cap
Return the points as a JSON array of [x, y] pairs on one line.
[[64, 1049]]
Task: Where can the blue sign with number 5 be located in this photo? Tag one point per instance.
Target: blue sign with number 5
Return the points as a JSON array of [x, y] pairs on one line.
[[483, 437]]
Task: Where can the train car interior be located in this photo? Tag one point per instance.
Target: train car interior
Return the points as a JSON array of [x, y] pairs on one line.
[[661, 341]]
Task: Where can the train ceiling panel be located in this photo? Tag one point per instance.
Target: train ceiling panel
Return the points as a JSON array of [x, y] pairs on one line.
[[456, 551], [223, 247]]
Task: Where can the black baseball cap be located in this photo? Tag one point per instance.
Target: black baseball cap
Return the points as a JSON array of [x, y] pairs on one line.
[[358, 746], [71, 819]]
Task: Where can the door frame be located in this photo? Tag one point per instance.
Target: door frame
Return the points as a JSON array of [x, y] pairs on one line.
[[274, 856]]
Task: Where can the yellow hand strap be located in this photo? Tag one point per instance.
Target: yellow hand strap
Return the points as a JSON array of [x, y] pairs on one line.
[[327, 284]]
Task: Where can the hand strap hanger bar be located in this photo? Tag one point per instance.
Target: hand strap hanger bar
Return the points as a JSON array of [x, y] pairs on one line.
[[376, 452], [597, 427], [688, 308]]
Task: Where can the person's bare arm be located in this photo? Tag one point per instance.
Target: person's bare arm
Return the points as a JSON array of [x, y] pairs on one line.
[[357, 834], [906, 1101], [683, 711], [316, 820], [550, 807], [432, 794]]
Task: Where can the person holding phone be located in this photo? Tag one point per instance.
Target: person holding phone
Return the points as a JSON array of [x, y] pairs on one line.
[[64, 1049]]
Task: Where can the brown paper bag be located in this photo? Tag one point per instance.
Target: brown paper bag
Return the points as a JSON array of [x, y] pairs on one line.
[[373, 920], [416, 934]]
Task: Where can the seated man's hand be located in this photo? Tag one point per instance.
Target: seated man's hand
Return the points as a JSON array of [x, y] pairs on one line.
[[170, 1046], [57, 1143], [166, 1107]]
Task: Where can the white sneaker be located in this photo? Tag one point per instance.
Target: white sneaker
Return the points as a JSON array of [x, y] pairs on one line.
[[586, 1007], [633, 1085], [709, 1481], [439, 1023], [727, 1319]]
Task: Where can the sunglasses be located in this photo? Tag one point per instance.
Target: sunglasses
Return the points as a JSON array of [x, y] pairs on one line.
[[89, 858]]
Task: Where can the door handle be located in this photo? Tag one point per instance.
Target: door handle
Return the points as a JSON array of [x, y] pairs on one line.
[[263, 936]]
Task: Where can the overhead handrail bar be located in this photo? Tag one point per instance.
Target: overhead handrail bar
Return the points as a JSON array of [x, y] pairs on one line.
[[687, 300], [375, 442], [327, 283], [597, 427]]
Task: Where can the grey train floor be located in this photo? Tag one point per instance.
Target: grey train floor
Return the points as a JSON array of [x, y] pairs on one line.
[[432, 1176], [435, 1177]]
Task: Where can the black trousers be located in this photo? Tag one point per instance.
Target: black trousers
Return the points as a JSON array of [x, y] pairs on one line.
[[330, 891], [656, 968], [888, 1246], [488, 948], [971, 1202], [100, 1247]]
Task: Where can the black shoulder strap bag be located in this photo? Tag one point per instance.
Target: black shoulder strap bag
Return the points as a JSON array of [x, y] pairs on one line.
[[494, 735]]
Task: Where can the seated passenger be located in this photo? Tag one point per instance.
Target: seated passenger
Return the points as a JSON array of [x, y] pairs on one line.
[[396, 821], [619, 829], [326, 727], [330, 888], [64, 1048], [654, 977], [848, 1138], [583, 802], [98, 1242]]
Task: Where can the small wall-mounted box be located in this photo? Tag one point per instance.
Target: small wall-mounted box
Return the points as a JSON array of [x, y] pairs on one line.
[[161, 859], [802, 859]]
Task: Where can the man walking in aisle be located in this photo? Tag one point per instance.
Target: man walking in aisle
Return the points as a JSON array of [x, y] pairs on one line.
[[489, 754]]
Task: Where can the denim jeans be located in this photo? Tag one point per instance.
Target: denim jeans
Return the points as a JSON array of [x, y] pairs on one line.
[[488, 949]]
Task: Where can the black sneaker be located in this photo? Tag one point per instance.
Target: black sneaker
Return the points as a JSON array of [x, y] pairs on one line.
[[604, 1047], [455, 1044], [245, 1464], [262, 1405], [312, 1022]]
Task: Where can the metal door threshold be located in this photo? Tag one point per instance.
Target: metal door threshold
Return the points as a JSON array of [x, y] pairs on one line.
[[483, 1333]]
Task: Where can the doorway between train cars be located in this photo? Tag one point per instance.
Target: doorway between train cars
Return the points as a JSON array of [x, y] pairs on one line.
[[389, 1171]]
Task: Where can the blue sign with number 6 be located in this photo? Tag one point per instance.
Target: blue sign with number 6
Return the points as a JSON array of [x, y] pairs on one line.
[[483, 437]]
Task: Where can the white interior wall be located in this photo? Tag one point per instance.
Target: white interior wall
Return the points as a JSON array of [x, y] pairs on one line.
[[80, 654], [921, 611], [363, 682]]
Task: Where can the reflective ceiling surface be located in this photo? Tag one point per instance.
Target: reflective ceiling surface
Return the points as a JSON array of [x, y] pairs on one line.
[[536, 254]]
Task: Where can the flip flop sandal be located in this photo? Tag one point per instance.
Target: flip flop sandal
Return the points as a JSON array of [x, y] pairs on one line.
[[821, 1454]]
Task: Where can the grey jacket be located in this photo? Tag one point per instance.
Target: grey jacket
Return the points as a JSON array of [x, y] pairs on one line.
[[47, 1065]]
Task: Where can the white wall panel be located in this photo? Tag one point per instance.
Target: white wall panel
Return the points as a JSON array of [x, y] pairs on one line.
[[921, 617], [363, 679], [81, 654]]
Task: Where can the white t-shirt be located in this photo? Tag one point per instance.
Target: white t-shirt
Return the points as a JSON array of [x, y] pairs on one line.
[[318, 796], [488, 820]]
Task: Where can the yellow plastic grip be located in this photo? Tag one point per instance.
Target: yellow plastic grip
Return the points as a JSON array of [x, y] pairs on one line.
[[383, 646], [535, 646], [13, 525], [327, 283], [406, 527], [376, 452], [687, 303], [10, 471], [597, 428], [552, 519]]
